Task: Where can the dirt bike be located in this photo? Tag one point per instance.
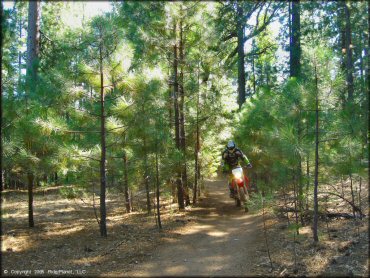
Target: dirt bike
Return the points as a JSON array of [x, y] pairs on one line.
[[240, 184]]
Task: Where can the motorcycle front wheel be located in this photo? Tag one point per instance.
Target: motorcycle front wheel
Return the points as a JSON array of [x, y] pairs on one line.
[[236, 197]]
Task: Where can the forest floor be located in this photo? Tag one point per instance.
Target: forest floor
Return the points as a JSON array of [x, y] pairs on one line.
[[213, 238]]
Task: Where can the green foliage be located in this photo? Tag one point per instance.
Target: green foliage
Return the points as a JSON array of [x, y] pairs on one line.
[[56, 128], [256, 200], [70, 192]]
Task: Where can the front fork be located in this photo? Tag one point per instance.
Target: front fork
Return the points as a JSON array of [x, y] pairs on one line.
[[236, 187]]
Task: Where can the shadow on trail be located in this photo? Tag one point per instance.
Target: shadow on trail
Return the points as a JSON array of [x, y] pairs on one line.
[[224, 240]]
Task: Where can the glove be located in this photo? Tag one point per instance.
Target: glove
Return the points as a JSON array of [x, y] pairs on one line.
[[249, 165]]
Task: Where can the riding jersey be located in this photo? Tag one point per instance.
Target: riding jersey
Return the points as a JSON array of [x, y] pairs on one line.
[[232, 158]]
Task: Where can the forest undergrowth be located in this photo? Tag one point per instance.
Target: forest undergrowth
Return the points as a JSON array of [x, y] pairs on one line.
[[343, 247], [65, 235], [64, 238]]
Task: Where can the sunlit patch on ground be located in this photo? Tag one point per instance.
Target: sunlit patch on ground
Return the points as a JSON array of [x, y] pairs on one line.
[[15, 244], [66, 233], [217, 233]]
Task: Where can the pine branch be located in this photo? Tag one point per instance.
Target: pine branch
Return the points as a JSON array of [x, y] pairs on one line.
[[80, 131], [264, 50], [257, 30], [82, 110], [85, 156]]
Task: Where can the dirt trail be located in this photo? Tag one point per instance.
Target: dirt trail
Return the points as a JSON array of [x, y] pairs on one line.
[[223, 240]]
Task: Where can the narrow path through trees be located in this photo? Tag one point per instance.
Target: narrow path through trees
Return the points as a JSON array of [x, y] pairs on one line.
[[223, 240]]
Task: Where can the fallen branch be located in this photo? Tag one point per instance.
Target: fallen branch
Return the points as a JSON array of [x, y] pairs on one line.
[[354, 207]]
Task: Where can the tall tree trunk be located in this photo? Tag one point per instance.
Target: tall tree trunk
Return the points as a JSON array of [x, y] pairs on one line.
[[125, 178], [349, 59], [170, 95], [182, 117], [295, 70], [33, 37], [307, 177], [157, 192], [197, 147], [299, 172], [295, 44], [295, 203], [20, 54], [316, 184], [367, 80], [352, 196], [362, 75], [342, 46], [146, 177], [103, 180], [30, 178], [180, 192], [1, 99], [241, 66]]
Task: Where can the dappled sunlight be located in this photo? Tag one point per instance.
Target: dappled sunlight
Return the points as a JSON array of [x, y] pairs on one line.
[[126, 121], [197, 229], [210, 245], [87, 260], [217, 233], [62, 231], [16, 244]]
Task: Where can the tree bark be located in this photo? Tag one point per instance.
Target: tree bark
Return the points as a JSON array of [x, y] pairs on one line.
[[316, 184], [299, 171], [170, 94], [253, 68], [295, 69], [1, 100], [295, 204], [33, 39], [241, 66], [342, 46], [367, 80], [295, 44], [125, 178], [103, 213], [197, 146], [146, 177], [307, 177], [349, 59], [352, 195], [20, 54], [180, 193], [184, 175], [157, 193], [30, 178]]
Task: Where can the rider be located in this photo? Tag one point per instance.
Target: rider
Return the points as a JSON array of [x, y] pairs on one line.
[[230, 159]]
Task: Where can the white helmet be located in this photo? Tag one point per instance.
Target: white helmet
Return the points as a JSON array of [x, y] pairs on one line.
[[231, 145]]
